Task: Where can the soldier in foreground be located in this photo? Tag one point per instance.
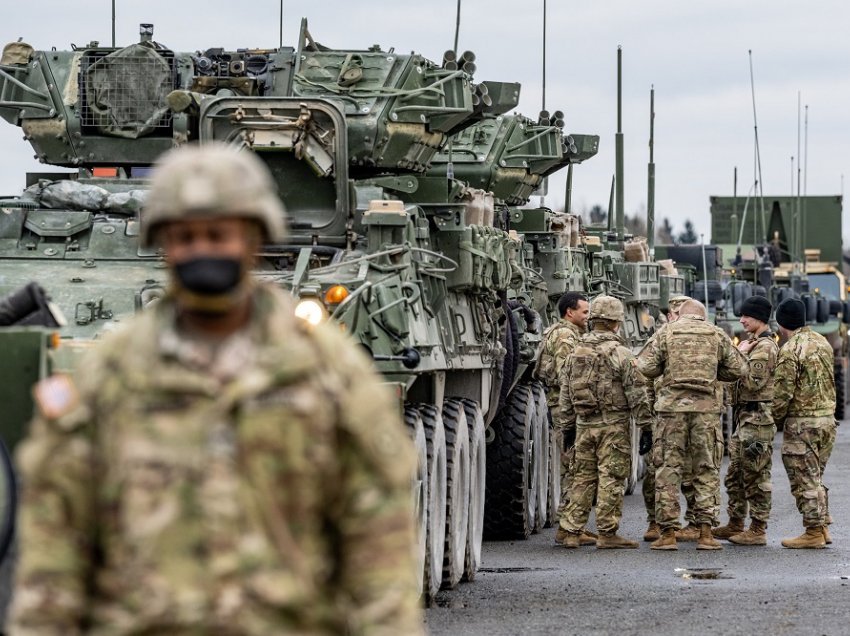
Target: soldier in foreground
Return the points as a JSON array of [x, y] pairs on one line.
[[599, 390], [689, 355], [558, 342], [653, 532], [751, 444], [804, 400], [217, 466]]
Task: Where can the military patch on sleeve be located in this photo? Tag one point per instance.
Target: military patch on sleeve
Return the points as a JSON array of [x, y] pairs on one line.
[[758, 366], [55, 396]]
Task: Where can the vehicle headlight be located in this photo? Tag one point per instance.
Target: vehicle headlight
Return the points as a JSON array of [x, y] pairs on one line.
[[310, 310]]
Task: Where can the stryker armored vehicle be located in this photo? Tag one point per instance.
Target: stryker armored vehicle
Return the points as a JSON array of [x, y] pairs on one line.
[[407, 239]]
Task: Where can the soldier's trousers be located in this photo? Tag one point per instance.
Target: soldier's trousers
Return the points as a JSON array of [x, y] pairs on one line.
[[806, 448], [567, 457], [648, 489], [681, 437], [747, 482], [602, 464]]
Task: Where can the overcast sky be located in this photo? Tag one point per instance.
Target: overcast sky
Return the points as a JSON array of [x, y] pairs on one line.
[[694, 52]]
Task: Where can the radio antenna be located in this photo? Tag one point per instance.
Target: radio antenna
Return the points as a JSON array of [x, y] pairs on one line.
[[757, 167], [543, 106], [281, 25], [457, 26], [113, 24]]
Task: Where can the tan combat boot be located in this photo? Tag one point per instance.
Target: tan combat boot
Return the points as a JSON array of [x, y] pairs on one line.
[[811, 538], [588, 537], [754, 535], [826, 538], [688, 533], [735, 526], [613, 541], [652, 533], [667, 541], [705, 540]]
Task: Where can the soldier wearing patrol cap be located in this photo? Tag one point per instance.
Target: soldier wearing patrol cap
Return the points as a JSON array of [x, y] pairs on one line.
[[600, 390], [747, 480], [218, 466]]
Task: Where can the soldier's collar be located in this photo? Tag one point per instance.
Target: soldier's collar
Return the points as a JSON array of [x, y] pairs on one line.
[[692, 316]]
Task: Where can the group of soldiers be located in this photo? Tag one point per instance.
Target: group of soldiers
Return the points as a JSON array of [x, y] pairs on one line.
[[675, 390]]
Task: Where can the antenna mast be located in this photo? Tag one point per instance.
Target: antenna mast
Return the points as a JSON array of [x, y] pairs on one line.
[[457, 26], [758, 181], [650, 186], [798, 243], [281, 24], [804, 220], [619, 149], [113, 24]]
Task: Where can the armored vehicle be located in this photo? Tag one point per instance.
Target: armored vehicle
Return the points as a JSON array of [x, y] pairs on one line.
[[401, 177]]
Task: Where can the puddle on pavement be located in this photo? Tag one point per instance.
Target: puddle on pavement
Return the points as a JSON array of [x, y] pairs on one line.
[[701, 574], [512, 570]]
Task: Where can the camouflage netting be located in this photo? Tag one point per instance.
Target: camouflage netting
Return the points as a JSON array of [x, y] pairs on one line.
[[72, 195], [125, 92]]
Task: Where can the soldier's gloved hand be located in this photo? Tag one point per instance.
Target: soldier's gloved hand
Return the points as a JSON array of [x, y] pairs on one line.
[[569, 438], [645, 444], [754, 449]]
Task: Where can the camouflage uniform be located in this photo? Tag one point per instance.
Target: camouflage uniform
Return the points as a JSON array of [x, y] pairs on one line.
[[559, 340], [603, 440], [747, 481], [804, 400], [689, 355], [260, 486]]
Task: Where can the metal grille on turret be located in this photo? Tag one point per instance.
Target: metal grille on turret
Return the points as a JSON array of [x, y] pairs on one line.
[[122, 93]]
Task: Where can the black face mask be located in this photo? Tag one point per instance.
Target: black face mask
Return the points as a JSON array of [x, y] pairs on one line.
[[209, 276]]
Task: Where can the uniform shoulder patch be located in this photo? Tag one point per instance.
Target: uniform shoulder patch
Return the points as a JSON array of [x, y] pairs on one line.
[[56, 396]]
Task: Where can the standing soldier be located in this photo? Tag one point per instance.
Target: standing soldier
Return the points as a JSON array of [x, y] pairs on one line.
[[804, 400], [218, 466], [558, 342], [600, 389], [653, 532], [751, 445], [689, 355]]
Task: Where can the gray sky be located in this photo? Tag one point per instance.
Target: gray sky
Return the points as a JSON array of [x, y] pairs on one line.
[[693, 51]]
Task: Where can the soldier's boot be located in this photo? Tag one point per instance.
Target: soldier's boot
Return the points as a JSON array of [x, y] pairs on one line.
[[688, 533], [588, 537], [652, 533], [735, 526], [811, 538], [667, 541], [826, 538], [754, 535], [705, 540], [613, 541], [571, 539]]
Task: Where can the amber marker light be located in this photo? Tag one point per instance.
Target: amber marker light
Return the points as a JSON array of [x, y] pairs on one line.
[[335, 295]]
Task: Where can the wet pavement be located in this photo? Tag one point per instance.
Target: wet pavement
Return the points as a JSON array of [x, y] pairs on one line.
[[535, 587]]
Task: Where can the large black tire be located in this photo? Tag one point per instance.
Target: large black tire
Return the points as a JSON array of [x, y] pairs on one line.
[[435, 435], [457, 491], [420, 488], [840, 389], [540, 455], [8, 501], [509, 510], [477, 484]]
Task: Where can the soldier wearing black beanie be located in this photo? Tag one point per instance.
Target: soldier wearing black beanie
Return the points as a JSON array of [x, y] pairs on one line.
[[791, 314], [757, 307]]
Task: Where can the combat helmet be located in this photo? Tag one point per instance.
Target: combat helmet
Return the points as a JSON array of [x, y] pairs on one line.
[[607, 307], [213, 180]]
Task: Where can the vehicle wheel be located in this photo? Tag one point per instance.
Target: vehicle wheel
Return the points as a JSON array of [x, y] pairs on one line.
[[638, 467], [477, 481], [840, 389], [435, 435], [510, 502], [420, 487], [457, 491], [541, 455], [554, 478]]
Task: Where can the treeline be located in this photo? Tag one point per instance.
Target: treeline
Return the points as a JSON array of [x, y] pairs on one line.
[[665, 233]]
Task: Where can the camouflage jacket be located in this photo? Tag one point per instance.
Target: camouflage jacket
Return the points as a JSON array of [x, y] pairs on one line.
[[690, 356], [804, 384], [753, 393], [558, 342], [619, 389], [167, 500]]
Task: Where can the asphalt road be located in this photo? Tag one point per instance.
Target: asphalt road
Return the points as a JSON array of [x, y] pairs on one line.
[[535, 587]]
